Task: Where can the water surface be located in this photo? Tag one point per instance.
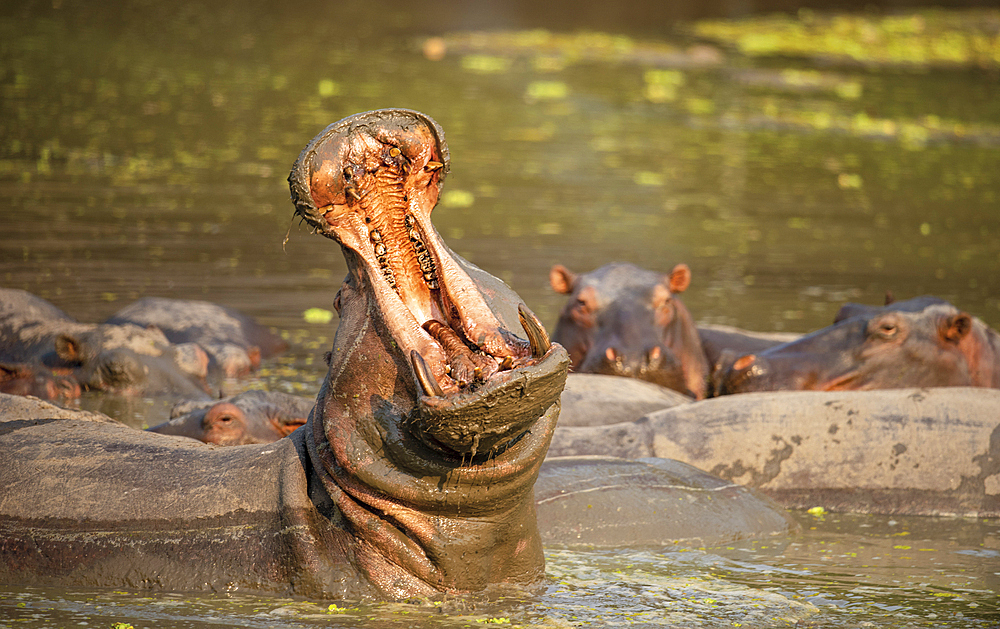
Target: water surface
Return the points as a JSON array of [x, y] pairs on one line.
[[144, 147]]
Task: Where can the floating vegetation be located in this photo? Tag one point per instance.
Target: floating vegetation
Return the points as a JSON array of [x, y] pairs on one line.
[[927, 38], [487, 51]]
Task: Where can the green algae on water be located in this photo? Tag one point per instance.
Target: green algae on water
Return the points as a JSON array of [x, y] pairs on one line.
[[932, 38]]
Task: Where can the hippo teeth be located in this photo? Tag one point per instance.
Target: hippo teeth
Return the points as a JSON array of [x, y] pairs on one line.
[[422, 374], [538, 339]]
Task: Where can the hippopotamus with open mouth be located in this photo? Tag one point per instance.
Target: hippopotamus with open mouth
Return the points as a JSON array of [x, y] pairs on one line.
[[413, 475]]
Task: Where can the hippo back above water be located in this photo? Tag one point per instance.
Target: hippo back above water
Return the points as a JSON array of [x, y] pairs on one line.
[[42, 345], [235, 342], [921, 342], [626, 321]]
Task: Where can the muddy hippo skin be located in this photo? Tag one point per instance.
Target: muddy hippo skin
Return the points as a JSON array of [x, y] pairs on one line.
[[235, 343], [621, 320], [250, 417], [932, 451], [922, 342], [123, 359], [413, 475]]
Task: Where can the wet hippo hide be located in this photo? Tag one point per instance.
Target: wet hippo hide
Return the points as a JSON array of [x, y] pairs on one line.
[[413, 475], [43, 341], [920, 342], [235, 343], [608, 502], [929, 451]]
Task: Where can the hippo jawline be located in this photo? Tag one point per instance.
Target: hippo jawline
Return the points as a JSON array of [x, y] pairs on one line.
[[370, 182]]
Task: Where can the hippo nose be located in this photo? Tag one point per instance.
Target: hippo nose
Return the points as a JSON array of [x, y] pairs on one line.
[[622, 363], [742, 373]]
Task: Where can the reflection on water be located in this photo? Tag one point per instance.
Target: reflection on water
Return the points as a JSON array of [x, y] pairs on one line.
[[842, 571], [143, 151]]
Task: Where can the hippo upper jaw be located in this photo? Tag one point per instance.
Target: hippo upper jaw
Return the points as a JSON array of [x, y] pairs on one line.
[[370, 182]]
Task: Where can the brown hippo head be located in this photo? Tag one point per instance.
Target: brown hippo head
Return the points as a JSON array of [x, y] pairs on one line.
[[921, 342], [621, 320], [435, 415], [249, 417]]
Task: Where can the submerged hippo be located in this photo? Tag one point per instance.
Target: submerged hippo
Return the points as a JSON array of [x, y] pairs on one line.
[[235, 343], [414, 473], [921, 342], [621, 320], [250, 417], [124, 359], [39, 381]]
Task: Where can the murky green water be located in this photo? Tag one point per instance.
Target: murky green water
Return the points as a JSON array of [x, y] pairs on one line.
[[143, 151]]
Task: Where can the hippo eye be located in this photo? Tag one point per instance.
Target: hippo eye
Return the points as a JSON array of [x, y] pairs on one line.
[[887, 329]]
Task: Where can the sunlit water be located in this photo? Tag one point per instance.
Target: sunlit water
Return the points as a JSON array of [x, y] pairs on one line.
[[143, 151], [842, 571]]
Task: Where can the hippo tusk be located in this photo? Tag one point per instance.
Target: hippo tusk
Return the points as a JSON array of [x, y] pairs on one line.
[[423, 374], [537, 337]]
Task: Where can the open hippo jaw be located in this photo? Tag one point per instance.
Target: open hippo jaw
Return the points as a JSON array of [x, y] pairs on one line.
[[370, 182]]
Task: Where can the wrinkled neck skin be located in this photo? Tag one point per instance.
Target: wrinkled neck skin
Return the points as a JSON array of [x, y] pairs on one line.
[[424, 522]]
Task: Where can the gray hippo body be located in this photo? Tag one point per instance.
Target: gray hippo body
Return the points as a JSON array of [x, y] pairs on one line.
[[413, 475], [929, 451], [123, 359], [235, 343]]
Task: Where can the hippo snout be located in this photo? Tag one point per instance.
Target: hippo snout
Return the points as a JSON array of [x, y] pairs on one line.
[[655, 363], [743, 374]]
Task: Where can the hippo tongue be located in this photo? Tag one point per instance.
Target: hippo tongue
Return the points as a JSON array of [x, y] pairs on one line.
[[370, 182]]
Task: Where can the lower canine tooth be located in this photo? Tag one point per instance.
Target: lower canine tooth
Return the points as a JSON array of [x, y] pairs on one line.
[[424, 376], [537, 337]]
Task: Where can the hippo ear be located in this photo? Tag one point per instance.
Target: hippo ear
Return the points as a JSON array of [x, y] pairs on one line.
[[956, 327], [562, 279], [680, 278], [889, 298], [336, 301], [69, 349]]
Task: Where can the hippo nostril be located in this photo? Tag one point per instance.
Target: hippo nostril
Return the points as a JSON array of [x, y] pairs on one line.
[[654, 355], [744, 362]]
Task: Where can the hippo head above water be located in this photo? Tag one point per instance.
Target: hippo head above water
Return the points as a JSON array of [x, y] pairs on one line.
[[430, 427], [921, 342], [622, 320]]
